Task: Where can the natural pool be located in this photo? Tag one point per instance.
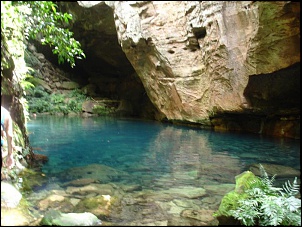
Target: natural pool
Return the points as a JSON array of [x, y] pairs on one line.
[[157, 172]]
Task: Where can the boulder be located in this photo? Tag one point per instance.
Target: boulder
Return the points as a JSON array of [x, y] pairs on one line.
[[10, 196], [54, 217]]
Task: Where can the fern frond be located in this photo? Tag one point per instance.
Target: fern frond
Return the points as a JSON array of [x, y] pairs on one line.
[[263, 172], [292, 219], [272, 180], [255, 183], [291, 189], [266, 205], [292, 204], [265, 178]]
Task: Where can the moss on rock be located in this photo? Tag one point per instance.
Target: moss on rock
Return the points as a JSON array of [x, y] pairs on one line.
[[230, 200]]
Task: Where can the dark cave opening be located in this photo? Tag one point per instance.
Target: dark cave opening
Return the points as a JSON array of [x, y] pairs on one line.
[[275, 91]]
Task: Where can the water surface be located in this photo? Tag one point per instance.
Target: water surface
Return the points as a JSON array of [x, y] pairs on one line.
[[153, 155]]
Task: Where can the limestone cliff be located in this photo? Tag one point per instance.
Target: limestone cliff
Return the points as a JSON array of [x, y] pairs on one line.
[[225, 64]]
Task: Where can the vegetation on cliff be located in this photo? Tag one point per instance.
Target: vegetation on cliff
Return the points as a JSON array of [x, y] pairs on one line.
[[43, 22], [22, 21]]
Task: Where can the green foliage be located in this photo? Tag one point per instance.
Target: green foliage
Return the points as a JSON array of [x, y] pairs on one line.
[[41, 21], [72, 105], [290, 189], [56, 98], [31, 178], [44, 23], [26, 83], [101, 110], [266, 205], [76, 93], [12, 50], [39, 101]]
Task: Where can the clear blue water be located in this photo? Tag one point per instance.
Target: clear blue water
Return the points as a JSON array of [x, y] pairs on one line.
[[156, 160], [127, 143]]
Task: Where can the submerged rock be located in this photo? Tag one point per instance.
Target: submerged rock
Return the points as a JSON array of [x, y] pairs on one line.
[[274, 169], [200, 216], [57, 218], [96, 172]]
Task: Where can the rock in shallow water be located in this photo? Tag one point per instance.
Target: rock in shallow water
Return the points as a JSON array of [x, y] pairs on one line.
[[54, 217]]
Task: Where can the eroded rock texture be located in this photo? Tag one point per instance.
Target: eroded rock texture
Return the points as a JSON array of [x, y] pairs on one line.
[[230, 65]]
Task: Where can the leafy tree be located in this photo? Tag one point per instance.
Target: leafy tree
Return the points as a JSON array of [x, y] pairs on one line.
[[43, 22]]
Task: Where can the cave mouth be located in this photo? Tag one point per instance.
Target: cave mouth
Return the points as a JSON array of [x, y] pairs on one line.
[[279, 90], [106, 69], [110, 81]]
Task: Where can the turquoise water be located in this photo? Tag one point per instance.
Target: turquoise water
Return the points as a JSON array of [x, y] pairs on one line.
[[157, 172], [127, 143]]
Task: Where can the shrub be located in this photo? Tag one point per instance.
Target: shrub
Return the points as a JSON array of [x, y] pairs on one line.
[[263, 204], [101, 110], [39, 101]]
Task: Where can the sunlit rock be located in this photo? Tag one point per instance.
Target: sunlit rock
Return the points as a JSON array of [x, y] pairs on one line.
[[200, 62], [10, 196], [70, 219]]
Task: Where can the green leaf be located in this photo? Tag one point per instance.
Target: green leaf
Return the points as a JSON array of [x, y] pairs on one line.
[[45, 23]]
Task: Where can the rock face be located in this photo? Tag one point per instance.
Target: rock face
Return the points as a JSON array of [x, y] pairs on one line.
[[230, 65]]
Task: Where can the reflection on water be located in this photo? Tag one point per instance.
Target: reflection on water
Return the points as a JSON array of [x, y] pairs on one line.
[[159, 148], [152, 155]]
